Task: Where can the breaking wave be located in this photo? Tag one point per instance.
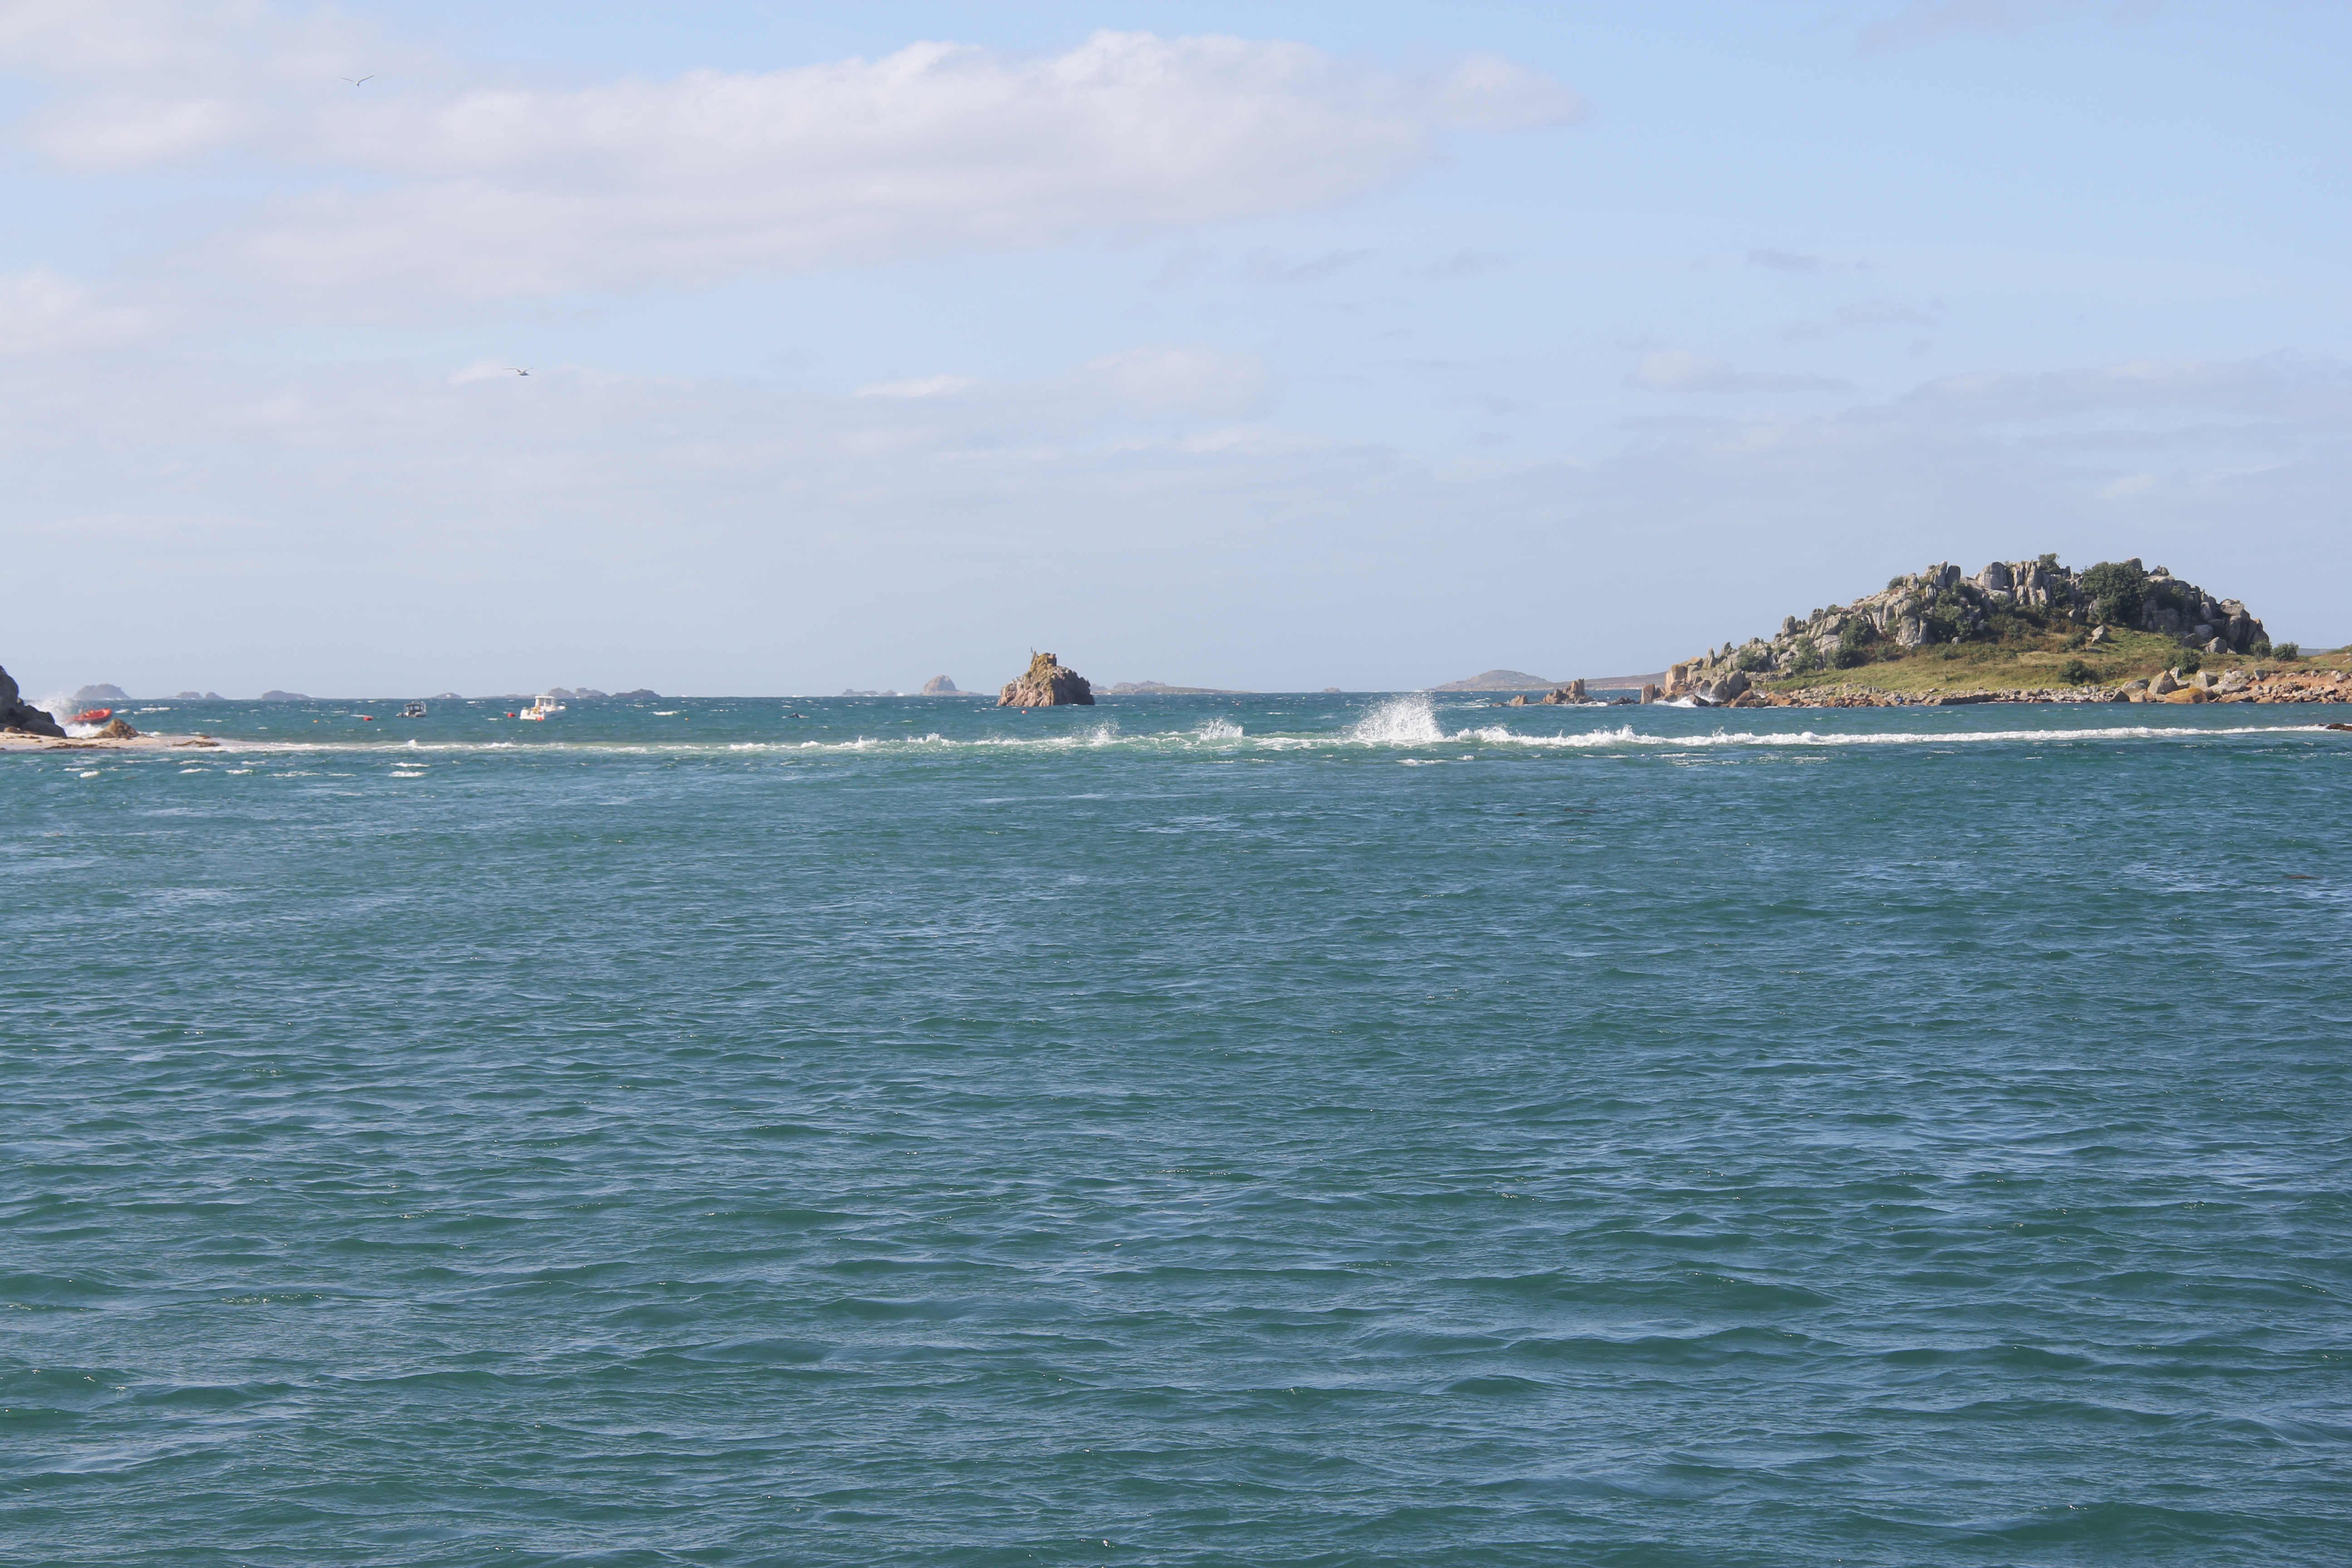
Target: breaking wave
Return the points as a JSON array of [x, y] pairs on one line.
[[1400, 721]]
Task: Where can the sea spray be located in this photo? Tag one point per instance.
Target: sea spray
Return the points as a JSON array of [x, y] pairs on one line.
[[1400, 721]]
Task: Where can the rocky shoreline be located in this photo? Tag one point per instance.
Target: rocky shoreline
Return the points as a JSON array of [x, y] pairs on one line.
[[2106, 634], [2235, 686], [18, 717]]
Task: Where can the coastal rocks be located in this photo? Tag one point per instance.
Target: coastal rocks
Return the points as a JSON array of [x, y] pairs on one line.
[[940, 686], [15, 714], [1572, 695], [118, 729], [1048, 684], [103, 691], [2164, 685], [1722, 692], [2023, 607]]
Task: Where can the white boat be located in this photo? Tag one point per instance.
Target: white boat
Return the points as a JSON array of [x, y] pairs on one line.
[[541, 708]]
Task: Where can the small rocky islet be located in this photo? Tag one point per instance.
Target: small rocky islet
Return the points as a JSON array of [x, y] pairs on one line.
[[1047, 683], [2115, 632]]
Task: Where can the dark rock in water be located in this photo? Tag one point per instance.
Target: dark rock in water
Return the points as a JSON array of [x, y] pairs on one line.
[[940, 686], [118, 729], [1568, 696], [19, 715], [1518, 702], [1048, 684], [641, 691], [101, 692], [285, 697]]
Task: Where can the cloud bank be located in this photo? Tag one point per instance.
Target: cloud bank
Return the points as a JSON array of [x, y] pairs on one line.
[[506, 191]]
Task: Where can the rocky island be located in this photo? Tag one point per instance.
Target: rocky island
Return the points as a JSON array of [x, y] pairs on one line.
[[2025, 631], [1048, 684]]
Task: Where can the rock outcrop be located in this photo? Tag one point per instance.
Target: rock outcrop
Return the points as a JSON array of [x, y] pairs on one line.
[[1940, 606], [1048, 684], [18, 714], [1572, 695], [118, 729], [940, 686]]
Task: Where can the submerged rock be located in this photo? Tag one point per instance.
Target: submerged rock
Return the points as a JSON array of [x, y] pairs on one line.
[[1048, 684]]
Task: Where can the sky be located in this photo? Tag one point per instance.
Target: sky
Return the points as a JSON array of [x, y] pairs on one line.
[[1275, 346]]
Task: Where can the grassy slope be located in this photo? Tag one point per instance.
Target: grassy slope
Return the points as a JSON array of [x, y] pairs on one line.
[[2035, 658]]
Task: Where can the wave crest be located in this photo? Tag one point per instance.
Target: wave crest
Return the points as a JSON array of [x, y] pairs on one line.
[[1399, 722]]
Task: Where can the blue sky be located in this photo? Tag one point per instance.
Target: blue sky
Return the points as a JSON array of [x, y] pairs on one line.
[[1278, 346]]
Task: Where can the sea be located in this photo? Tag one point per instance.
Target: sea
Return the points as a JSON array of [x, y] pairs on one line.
[[1212, 1129]]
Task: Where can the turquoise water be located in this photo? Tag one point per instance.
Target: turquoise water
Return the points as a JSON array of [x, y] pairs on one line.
[[1184, 1131]]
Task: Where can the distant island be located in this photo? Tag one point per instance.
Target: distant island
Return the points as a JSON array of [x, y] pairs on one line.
[[1500, 680], [1161, 688], [1520, 681]]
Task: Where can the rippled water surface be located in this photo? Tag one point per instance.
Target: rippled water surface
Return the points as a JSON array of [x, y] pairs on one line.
[[1188, 1132]]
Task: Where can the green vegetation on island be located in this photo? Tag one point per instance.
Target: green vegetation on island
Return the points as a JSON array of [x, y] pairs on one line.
[[2015, 626]]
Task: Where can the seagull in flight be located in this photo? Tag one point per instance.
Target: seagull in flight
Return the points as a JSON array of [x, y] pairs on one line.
[[517, 370], [356, 80]]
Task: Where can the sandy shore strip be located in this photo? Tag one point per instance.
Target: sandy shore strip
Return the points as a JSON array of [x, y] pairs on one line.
[[18, 741]]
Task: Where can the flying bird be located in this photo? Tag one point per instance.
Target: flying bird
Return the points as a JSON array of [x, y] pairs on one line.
[[356, 80], [517, 370]]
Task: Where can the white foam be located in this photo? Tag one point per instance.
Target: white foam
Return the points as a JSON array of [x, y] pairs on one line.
[[1405, 722], [1399, 722]]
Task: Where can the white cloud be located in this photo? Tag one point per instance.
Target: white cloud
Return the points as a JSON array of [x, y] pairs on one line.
[[1680, 370], [506, 189], [41, 313], [1179, 381], [921, 386], [1263, 266], [717, 533], [1155, 381]]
